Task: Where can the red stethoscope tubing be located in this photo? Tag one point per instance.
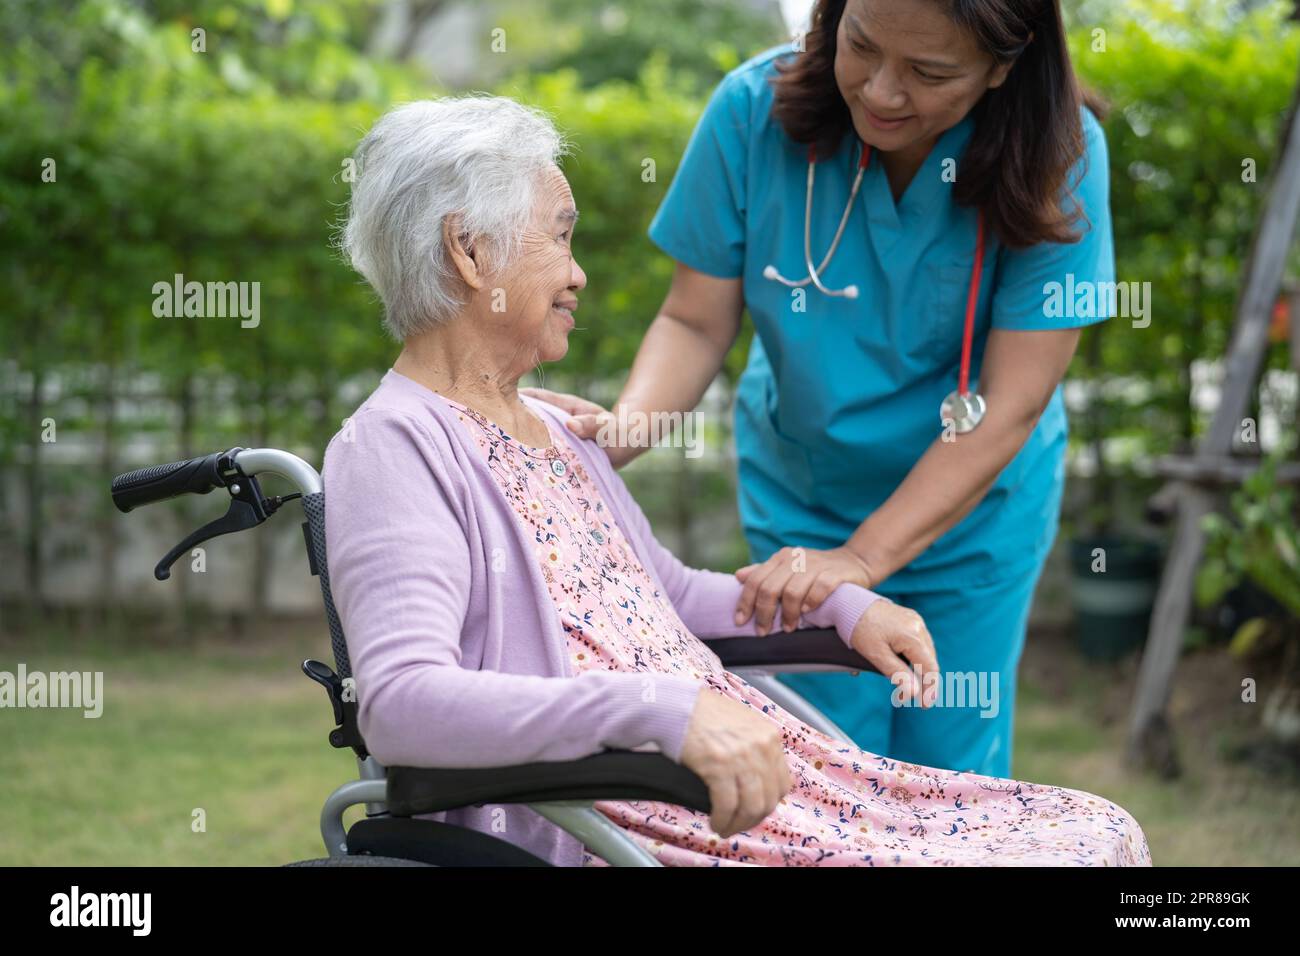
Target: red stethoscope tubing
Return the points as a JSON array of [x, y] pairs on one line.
[[972, 301]]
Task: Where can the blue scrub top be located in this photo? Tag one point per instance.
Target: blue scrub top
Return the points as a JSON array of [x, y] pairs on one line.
[[840, 400]]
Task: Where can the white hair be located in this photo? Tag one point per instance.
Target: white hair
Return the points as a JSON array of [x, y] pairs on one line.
[[479, 157]]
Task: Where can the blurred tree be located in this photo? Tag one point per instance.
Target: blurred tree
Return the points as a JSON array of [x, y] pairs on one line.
[[700, 41], [1199, 93]]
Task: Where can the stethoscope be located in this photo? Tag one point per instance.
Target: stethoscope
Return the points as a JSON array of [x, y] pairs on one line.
[[963, 409]]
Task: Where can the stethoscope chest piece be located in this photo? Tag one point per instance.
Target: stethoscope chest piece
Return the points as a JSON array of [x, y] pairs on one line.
[[963, 411]]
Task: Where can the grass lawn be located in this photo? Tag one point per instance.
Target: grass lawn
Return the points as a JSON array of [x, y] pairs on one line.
[[1235, 804], [232, 727]]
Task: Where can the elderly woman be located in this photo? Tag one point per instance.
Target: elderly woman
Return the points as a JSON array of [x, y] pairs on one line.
[[505, 600]]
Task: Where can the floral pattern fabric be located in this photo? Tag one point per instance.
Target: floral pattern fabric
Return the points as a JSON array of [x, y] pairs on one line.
[[848, 807]]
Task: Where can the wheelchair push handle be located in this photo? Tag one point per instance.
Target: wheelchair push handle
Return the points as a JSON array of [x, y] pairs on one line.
[[196, 476], [234, 470]]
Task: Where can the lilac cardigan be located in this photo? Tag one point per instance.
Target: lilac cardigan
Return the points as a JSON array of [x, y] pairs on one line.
[[456, 646]]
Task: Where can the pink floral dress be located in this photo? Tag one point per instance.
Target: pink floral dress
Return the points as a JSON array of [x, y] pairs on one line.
[[848, 807]]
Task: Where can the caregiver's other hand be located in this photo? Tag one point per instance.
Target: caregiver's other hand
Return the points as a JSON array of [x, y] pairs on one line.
[[740, 757], [585, 421], [800, 579], [885, 635]]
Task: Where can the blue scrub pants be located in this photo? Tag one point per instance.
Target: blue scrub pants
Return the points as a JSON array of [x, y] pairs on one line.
[[977, 631]]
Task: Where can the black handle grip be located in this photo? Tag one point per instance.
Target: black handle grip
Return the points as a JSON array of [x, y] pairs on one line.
[[144, 486]]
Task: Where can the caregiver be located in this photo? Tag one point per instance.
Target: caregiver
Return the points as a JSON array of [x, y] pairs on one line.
[[897, 195]]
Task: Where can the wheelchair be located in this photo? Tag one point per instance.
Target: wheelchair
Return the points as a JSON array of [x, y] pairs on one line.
[[395, 830]]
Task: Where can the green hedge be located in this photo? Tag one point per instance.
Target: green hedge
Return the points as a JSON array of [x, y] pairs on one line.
[[228, 166]]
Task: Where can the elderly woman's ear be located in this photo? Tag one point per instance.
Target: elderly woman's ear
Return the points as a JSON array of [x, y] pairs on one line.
[[461, 251]]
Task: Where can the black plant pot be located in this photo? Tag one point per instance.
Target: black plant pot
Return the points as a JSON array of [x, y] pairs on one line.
[[1112, 609]]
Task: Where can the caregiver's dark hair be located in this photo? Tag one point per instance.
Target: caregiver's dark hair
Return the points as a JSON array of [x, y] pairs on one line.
[[1027, 134]]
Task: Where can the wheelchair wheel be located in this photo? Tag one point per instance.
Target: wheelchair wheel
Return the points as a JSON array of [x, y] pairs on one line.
[[362, 859]]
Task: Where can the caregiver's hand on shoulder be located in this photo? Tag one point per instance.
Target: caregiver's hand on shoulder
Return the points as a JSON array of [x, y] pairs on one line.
[[587, 418], [885, 635], [740, 757], [799, 579]]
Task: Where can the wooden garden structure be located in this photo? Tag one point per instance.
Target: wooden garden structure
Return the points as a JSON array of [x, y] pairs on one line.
[[1194, 482]]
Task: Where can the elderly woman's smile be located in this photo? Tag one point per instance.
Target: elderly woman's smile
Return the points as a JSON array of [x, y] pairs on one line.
[[536, 295]]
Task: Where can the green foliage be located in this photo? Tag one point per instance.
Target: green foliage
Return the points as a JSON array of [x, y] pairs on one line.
[[1196, 91], [227, 165], [166, 163], [698, 42], [1259, 541]]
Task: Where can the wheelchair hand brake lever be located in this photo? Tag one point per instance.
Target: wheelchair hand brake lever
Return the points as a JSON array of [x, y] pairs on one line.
[[247, 510]]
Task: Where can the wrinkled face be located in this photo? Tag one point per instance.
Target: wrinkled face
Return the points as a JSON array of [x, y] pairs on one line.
[[907, 72], [538, 295]]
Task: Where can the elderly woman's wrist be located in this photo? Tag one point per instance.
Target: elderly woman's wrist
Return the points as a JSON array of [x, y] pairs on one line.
[[653, 707], [843, 610]]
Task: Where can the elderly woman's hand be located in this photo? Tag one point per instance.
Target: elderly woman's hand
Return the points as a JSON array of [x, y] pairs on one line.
[[739, 756], [586, 421], [885, 635]]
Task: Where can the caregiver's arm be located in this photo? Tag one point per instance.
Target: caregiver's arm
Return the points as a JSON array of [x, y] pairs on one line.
[[1020, 372], [682, 352]]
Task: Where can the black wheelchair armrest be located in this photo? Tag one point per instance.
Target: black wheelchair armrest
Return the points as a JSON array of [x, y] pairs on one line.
[[609, 775], [781, 650]]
